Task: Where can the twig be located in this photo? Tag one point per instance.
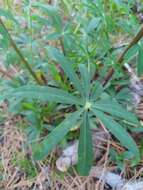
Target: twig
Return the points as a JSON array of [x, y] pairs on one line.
[[121, 58]]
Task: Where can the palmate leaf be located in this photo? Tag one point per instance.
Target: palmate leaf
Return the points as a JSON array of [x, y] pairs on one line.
[[66, 64], [42, 149], [115, 109], [119, 132], [44, 93], [85, 152]]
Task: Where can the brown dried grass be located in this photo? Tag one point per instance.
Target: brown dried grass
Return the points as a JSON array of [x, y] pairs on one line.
[[14, 178], [47, 178]]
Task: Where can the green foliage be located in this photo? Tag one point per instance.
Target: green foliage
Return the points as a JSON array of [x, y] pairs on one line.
[[140, 61], [25, 164], [43, 148], [86, 106], [85, 152], [64, 52]]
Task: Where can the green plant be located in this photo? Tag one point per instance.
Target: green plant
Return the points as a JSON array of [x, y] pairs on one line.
[[25, 164], [85, 41], [90, 102]]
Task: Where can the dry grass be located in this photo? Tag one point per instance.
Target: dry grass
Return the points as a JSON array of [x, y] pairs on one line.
[[46, 178], [14, 178], [12, 148]]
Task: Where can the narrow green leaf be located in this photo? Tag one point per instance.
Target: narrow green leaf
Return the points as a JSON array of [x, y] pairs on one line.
[[66, 64], [4, 38], [140, 61], [40, 19], [97, 90], [42, 149], [45, 93], [114, 108], [131, 53], [119, 132], [54, 36], [52, 12], [85, 79], [85, 152], [124, 95], [93, 24]]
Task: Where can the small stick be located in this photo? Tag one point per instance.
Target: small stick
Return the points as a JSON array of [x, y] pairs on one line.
[[121, 58]]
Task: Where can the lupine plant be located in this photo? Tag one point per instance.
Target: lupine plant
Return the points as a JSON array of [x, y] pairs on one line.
[[89, 106], [64, 76]]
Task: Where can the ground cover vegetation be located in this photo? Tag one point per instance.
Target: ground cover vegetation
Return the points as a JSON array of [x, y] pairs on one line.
[[65, 68]]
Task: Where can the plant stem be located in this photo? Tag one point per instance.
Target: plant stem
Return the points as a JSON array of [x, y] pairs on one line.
[[62, 46], [25, 62], [121, 58]]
